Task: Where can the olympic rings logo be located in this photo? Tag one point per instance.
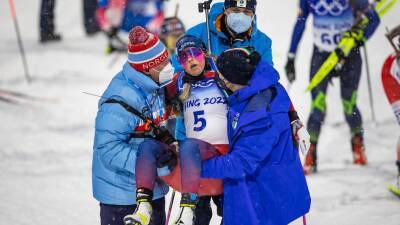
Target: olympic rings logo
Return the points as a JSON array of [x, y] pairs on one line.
[[333, 7]]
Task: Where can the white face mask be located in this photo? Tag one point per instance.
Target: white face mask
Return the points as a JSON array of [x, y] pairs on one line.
[[239, 22], [166, 75]]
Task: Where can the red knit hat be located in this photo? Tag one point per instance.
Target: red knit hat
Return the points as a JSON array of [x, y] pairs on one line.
[[145, 50]]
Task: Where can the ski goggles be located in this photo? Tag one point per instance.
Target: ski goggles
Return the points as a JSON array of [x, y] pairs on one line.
[[190, 53]]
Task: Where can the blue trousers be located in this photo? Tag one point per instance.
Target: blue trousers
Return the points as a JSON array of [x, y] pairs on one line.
[[191, 153], [349, 80]]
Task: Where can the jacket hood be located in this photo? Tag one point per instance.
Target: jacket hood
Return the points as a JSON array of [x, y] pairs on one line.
[[123, 85], [144, 82], [216, 11]]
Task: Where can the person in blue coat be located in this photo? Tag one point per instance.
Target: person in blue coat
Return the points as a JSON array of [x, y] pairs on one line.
[[263, 178], [233, 24], [119, 132]]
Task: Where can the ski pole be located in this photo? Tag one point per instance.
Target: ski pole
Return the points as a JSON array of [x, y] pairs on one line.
[[304, 220], [21, 46], [371, 100], [176, 10], [170, 207], [205, 6]]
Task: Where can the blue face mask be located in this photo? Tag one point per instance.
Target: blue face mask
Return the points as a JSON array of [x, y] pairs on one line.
[[239, 22]]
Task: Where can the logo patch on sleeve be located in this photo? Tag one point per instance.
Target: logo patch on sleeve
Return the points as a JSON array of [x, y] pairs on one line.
[[241, 3], [235, 120]]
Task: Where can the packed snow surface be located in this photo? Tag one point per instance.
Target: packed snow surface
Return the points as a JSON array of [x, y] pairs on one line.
[[46, 143]]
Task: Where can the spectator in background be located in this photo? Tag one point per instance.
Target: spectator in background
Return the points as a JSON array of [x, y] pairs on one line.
[[116, 15], [47, 27], [89, 17]]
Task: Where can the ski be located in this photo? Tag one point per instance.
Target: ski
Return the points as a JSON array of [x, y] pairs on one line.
[[346, 44], [393, 189], [8, 100], [16, 94]]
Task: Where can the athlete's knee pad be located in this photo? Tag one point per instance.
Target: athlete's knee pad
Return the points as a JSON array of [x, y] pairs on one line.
[[350, 103], [319, 103]]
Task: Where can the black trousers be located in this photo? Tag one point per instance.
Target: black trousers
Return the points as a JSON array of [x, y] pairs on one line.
[[89, 16], [114, 214], [203, 211], [47, 17]]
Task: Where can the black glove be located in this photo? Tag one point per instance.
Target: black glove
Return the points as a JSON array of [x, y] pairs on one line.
[[167, 158], [357, 33], [341, 62], [162, 134], [290, 69]]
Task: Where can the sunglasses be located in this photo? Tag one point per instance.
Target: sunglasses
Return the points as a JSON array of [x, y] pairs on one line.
[[190, 53]]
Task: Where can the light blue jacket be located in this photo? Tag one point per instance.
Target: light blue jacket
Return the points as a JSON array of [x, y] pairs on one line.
[[114, 151], [220, 42]]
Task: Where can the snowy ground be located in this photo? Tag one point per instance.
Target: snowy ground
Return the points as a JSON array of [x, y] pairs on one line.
[[45, 146]]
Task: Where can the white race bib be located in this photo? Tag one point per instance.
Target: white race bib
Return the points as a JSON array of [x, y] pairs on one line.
[[205, 113], [331, 19]]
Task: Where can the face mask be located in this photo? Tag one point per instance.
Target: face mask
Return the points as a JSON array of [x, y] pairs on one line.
[[166, 75], [239, 22]]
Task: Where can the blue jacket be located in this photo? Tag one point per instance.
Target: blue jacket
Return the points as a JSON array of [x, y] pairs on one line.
[[264, 182], [220, 42], [114, 152]]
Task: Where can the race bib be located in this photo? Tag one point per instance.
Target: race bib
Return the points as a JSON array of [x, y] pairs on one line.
[[205, 113], [331, 20]]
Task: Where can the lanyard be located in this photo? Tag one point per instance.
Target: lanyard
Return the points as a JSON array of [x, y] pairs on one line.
[[149, 106]]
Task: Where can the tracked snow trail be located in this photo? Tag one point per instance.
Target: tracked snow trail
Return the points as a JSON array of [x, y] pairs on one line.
[[46, 146]]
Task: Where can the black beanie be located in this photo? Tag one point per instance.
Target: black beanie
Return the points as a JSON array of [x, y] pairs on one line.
[[248, 4], [237, 65]]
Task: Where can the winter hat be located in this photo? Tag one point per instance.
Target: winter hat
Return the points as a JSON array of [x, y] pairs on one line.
[[237, 65], [248, 4], [188, 41], [145, 50]]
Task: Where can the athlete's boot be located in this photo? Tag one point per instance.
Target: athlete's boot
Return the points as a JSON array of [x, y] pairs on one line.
[[310, 164], [143, 211], [187, 206], [358, 148]]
